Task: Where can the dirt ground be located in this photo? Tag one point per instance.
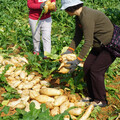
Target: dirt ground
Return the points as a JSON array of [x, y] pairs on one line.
[[105, 112]]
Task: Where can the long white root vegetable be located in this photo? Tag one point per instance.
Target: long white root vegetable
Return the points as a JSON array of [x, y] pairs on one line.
[[87, 112], [44, 98], [60, 99], [50, 91], [55, 111], [76, 111], [64, 106]]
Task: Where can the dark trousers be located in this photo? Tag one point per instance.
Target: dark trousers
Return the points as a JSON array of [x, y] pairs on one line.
[[95, 67]]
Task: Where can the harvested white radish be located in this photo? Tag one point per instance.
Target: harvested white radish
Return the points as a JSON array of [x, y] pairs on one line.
[[55, 111], [64, 106], [14, 103], [71, 104], [44, 98], [50, 91], [60, 99], [45, 83], [87, 112], [25, 93], [35, 81], [80, 104], [37, 104], [23, 75], [20, 87], [19, 105], [63, 70], [10, 70], [5, 62], [25, 99], [17, 72], [30, 77], [76, 111], [72, 98], [28, 85], [37, 87], [11, 78], [34, 94], [49, 105], [27, 109], [15, 62], [22, 59]]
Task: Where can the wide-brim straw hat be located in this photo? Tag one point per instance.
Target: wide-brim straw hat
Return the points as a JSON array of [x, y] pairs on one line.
[[69, 3]]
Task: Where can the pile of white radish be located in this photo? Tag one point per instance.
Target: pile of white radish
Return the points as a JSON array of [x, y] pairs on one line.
[[32, 89], [64, 59]]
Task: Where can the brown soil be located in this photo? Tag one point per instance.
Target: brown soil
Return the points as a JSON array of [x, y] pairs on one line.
[[105, 112]]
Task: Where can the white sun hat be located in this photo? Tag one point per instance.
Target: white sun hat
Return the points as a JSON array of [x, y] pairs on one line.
[[69, 3]]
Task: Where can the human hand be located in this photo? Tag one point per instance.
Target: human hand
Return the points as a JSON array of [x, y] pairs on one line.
[[42, 5], [73, 65]]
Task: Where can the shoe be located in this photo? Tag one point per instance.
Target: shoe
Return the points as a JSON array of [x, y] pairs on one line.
[[45, 57], [87, 99], [36, 53], [99, 103]]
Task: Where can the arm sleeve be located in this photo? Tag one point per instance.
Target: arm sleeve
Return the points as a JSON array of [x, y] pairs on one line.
[[88, 32], [77, 37], [32, 5]]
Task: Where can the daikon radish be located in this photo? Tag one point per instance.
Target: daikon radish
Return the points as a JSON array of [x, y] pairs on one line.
[[35, 81], [30, 77], [67, 117], [50, 91], [11, 69], [71, 57], [20, 91], [45, 83], [28, 85], [19, 105], [51, 6], [76, 111], [80, 104], [15, 62], [60, 99], [34, 94], [17, 72], [11, 78], [64, 106], [23, 75], [49, 105], [25, 93], [55, 111], [71, 104], [63, 70], [72, 98], [22, 59], [25, 99], [37, 104], [27, 109], [14, 103], [20, 87], [44, 99], [87, 112], [5, 62], [37, 87]]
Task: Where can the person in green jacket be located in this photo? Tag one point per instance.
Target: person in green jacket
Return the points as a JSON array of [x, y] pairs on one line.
[[96, 28]]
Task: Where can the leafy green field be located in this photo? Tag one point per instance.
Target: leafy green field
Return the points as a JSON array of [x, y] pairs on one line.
[[16, 38]]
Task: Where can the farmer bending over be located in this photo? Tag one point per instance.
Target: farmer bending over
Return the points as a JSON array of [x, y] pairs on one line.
[[93, 25]]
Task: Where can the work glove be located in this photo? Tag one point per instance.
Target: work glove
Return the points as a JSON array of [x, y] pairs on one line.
[[42, 5], [73, 65], [69, 51]]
